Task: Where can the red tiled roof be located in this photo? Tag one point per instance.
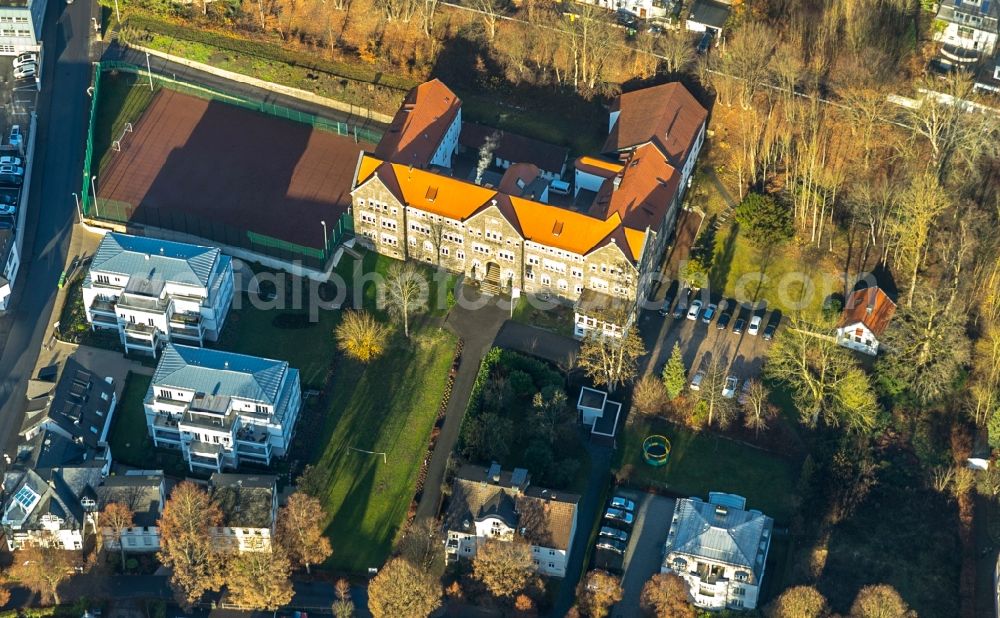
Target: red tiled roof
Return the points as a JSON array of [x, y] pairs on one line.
[[525, 172], [870, 306], [644, 193], [666, 115], [420, 124]]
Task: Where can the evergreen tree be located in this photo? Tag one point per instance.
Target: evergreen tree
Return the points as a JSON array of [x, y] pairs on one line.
[[675, 374]]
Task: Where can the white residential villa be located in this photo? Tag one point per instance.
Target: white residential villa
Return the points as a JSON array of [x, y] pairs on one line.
[[155, 291], [866, 316], [50, 507], [221, 408], [492, 504], [720, 549], [967, 29]]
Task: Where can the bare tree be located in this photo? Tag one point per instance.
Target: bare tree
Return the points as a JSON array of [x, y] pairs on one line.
[[300, 530], [406, 292], [757, 411], [919, 208], [117, 517], [677, 50], [719, 408], [609, 360], [490, 12]]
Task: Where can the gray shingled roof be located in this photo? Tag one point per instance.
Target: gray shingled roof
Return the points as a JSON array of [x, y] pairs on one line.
[[155, 260], [222, 374], [729, 535]]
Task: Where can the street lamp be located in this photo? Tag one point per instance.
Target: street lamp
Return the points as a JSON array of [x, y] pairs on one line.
[[93, 189], [79, 210], [117, 14], [149, 72], [324, 238]]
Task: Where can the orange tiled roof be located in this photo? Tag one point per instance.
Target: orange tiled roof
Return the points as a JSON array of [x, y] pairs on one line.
[[441, 195], [598, 166], [562, 228], [420, 124], [870, 306], [635, 239]]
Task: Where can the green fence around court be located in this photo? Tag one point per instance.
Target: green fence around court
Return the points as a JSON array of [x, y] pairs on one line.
[[125, 213]]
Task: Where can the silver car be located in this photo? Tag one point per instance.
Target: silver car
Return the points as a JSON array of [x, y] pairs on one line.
[[619, 515], [614, 533], [619, 502]]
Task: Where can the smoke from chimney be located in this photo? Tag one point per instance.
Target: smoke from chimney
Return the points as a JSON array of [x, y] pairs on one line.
[[486, 155]]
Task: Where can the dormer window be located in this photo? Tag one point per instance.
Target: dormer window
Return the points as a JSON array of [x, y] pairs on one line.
[[27, 498]]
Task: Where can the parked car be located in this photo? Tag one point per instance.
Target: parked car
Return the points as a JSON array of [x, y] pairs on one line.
[[626, 18], [25, 58], [11, 180], [694, 311], [705, 42], [26, 70], [729, 390], [6, 224], [11, 169], [723, 321], [668, 299], [619, 502], [754, 325], [738, 326], [10, 160], [7, 209], [745, 391], [772, 325], [682, 304], [697, 380], [619, 515], [614, 533], [710, 312], [15, 138], [611, 545]]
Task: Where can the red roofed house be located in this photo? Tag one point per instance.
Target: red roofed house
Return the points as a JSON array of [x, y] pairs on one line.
[[866, 316], [509, 238]]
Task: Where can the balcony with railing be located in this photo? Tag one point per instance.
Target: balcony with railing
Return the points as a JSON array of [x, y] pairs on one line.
[[165, 428], [140, 331], [222, 423], [146, 304], [104, 305]]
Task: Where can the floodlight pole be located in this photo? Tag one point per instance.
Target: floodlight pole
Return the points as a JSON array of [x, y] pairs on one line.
[[149, 72], [118, 15], [325, 243], [93, 189], [79, 210]]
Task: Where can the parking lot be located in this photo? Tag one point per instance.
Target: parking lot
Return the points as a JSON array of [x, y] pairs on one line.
[[644, 550], [742, 354]]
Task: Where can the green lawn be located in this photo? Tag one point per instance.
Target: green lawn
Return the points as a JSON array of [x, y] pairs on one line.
[[701, 462], [779, 275], [130, 441], [388, 406], [123, 97]]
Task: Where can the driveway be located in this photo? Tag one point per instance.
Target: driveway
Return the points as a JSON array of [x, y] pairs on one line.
[[477, 329], [544, 344], [645, 549]]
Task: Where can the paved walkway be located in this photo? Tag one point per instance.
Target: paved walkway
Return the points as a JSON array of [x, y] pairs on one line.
[[477, 328], [544, 344]]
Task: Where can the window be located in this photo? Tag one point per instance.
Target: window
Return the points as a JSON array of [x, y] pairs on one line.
[[546, 280], [460, 254], [533, 260], [261, 409], [445, 251], [26, 497], [577, 273], [552, 565], [552, 552], [388, 224], [103, 279]]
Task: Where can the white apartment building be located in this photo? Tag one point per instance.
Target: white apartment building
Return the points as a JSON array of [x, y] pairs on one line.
[[21, 25], [644, 9], [155, 291], [144, 492], [249, 505], [508, 242], [967, 29], [490, 504], [720, 549], [221, 409]]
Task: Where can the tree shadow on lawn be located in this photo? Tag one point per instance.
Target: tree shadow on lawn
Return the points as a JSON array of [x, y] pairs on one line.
[[723, 260], [366, 497]]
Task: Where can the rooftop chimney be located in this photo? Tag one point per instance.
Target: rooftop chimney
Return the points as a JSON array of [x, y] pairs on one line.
[[617, 181]]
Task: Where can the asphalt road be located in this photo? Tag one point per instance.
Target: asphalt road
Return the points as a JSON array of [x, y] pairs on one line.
[[62, 113]]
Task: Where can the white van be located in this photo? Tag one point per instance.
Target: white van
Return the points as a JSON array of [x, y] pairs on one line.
[[559, 186]]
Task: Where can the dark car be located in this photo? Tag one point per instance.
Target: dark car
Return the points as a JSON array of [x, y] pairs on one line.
[[772, 326], [668, 299], [614, 533], [723, 321], [738, 327], [11, 180], [682, 304], [705, 43], [626, 18]]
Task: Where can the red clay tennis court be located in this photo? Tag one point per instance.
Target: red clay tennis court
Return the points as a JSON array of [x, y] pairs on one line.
[[216, 170]]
